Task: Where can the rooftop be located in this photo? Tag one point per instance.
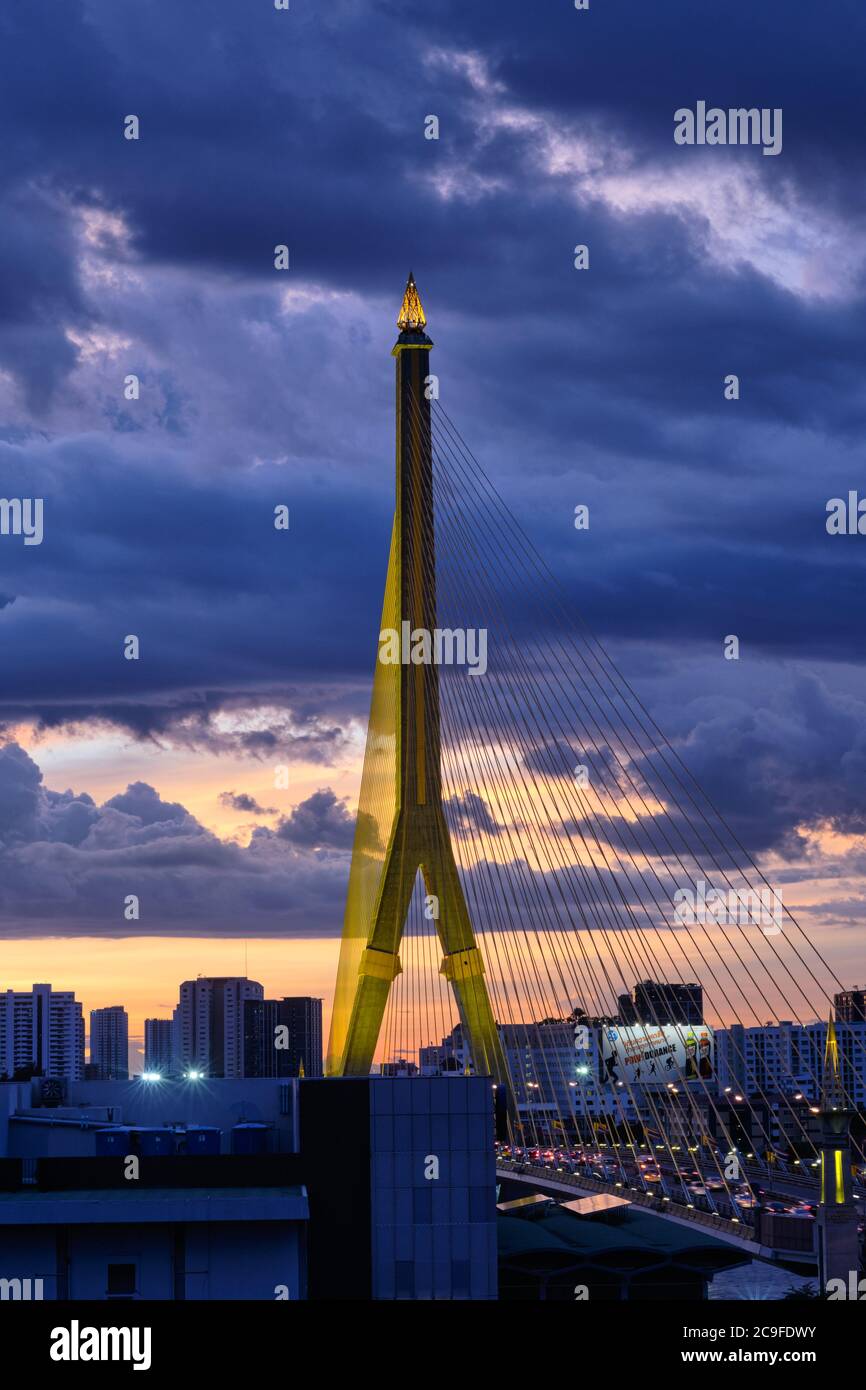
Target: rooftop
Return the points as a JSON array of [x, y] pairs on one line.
[[108, 1205]]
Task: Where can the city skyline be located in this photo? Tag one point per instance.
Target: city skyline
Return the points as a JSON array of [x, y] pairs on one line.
[[848, 1005], [108, 1047]]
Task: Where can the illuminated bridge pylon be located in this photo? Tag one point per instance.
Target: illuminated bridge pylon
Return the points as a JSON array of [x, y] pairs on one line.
[[401, 828], [560, 832]]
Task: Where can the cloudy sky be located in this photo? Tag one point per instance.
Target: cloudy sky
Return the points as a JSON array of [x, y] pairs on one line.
[[155, 257]]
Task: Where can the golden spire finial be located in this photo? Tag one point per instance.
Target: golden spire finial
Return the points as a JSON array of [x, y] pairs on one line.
[[832, 1080], [412, 318]]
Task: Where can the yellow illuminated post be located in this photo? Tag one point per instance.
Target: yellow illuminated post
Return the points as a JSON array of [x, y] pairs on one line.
[[401, 826], [837, 1218]]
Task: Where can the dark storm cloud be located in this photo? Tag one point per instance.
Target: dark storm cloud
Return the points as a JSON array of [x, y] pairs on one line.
[[799, 760], [631, 65], [757, 757], [39, 293], [470, 814], [242, 801], [19, 789], [142, 802], [774, 764], [180, 567], [604, 388], [68, 865], [322, 821]]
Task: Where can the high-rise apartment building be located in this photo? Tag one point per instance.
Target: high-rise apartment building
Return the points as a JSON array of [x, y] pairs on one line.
[[789, 1058], [659, 1003], [208, 1024], [850, 1006], [158, 1045], [109, 1043], [43, 1030], [283, 1036]]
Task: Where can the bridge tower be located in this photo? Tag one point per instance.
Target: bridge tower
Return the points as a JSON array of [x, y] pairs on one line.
[[838, 1244], [401, 827]]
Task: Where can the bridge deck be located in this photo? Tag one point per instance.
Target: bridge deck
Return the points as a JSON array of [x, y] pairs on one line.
[[561, 1182]]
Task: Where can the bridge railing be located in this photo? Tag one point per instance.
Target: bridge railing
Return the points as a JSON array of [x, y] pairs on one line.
[[743, 1230]]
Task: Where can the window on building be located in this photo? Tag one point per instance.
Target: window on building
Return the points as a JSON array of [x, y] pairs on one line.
[[460, 1278], [422, 1204], [480, 1204], [121, 1281]]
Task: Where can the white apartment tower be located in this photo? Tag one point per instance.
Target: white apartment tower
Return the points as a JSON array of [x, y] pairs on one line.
[[208, 1024], [43, 1029]]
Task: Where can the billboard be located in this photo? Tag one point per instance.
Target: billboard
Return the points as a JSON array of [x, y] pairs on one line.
[[646, 1054]]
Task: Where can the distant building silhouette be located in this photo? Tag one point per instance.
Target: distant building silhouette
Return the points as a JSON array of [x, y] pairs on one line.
[[301, 1018], [157, 1045], [850, 1006], [626, 1012], [399, 1066], [109, 1043], [656, 1002]]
